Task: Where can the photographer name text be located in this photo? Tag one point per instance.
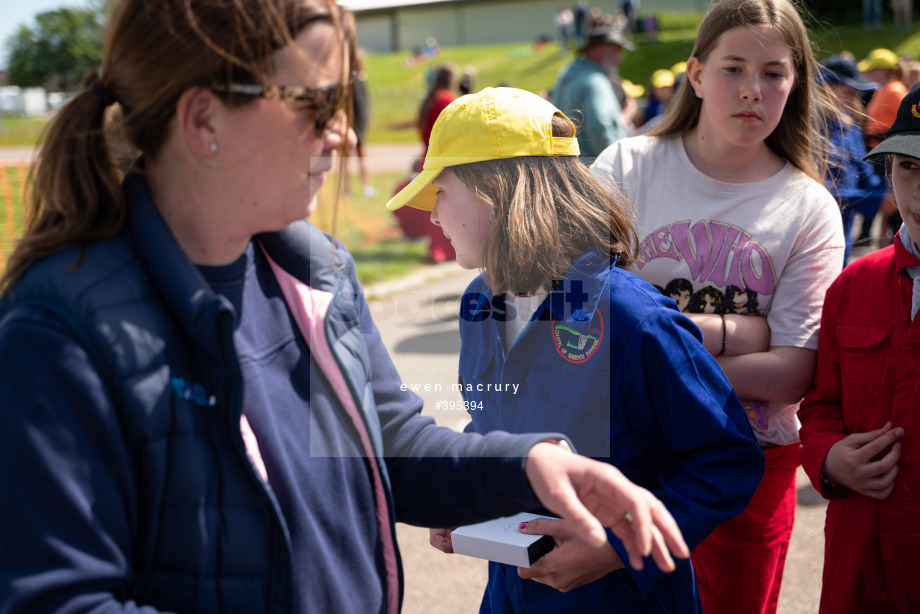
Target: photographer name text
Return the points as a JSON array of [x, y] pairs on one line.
[[513, 388]]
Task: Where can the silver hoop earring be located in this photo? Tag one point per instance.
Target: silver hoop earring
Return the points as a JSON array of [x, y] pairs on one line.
[[213, 147]]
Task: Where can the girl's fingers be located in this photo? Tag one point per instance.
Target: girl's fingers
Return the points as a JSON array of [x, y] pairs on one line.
[[660, 553]]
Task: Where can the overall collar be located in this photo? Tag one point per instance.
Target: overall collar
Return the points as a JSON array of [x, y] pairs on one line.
[[903, 259]]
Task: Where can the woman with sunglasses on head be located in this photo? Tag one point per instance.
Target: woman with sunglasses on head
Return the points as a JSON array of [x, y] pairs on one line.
[[198, 413]]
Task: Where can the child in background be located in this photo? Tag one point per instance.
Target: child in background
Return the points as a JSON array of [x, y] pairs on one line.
[[912, 74], [861, 418], [852, 180], [728, 193], [883, 67], [588, 343], [902, 13], [661, 88]]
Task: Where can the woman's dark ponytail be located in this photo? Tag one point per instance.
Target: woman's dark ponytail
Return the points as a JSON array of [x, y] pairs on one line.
[[76, 195]]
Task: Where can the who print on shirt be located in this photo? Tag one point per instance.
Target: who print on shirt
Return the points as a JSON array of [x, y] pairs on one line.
[[727, 268]]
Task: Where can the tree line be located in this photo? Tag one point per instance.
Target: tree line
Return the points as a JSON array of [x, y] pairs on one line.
[[59, 51], [66, 43]]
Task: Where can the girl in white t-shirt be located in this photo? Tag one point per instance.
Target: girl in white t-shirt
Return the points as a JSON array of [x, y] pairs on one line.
[[729, 196]]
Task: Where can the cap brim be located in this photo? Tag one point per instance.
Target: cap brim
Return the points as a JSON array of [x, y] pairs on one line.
[[418, 194], [861, 86], [903, 143], [831, 76]]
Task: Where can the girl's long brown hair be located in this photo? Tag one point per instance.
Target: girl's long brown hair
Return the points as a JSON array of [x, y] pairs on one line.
[[548, 211], [153, 50]]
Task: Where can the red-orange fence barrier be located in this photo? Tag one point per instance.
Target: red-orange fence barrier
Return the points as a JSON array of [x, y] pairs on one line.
[[12, 198]]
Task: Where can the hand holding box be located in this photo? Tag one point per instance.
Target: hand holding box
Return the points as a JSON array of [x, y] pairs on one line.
[[500, 540]]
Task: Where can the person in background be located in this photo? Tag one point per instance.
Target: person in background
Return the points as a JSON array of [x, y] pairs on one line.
[[852, 180], [883, 67], [467, 81], [630, 96], [860, 435], [912, 73], [360, 116], [580, 15], [650, 27], [630, 11], [414, 224], [199, 415], [427, 50], [902, 10], [660, 90], [729, 192], [679, 69], [872, 14], [588, 342], [564, 23], [442, 90], [584, 89]]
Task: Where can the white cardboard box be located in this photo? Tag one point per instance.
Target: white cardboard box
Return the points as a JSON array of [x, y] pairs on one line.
[[501, 541]]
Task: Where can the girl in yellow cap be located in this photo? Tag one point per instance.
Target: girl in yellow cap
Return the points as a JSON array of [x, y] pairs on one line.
[[556, 332]]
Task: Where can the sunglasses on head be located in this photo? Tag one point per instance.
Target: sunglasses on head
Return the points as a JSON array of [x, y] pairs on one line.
[[326, 100]]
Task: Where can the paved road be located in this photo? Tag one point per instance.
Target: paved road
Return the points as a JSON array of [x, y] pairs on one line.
[[16, 154], [417, 319]]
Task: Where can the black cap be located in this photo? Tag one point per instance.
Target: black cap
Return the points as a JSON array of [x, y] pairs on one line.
[[904, 135], [838, 69]]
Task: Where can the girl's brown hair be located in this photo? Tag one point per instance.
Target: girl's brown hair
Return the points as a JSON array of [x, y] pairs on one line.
[[799, 136], [153, 51], [548, 211]]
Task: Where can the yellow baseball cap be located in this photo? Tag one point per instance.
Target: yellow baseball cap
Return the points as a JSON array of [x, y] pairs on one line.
[[662, 78], [679, 68], [633, 90], [879, 58], [495, 123]]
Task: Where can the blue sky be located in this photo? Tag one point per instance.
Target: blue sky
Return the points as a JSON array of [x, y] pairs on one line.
[[14, 13]]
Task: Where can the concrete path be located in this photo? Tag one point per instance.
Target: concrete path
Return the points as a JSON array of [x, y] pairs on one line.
[[417, 319], [13, 155]]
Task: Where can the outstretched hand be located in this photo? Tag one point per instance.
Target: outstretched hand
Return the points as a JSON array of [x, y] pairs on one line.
[[860, 462], [592, 495]]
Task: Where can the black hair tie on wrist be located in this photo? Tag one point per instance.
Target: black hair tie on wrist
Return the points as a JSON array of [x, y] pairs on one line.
[[104, 96]]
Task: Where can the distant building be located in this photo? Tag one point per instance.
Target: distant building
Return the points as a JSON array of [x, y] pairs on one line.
[[403, 25], [23, 101]]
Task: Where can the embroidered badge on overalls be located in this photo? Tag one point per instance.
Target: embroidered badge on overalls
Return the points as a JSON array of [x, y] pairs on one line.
[[574, 346]]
